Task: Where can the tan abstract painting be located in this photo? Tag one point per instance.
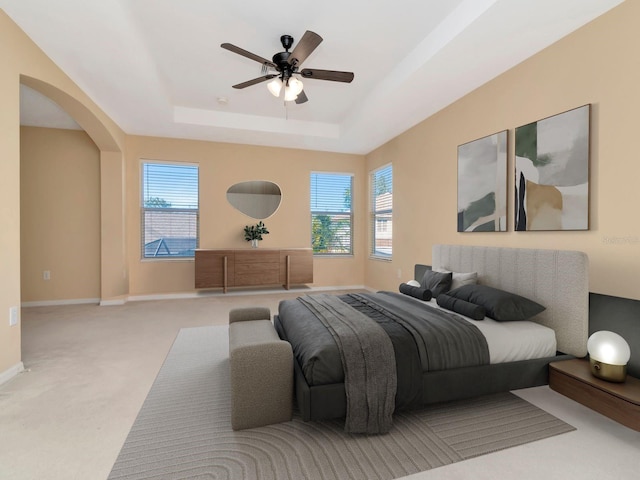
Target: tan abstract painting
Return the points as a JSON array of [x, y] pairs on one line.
[[552, 172]]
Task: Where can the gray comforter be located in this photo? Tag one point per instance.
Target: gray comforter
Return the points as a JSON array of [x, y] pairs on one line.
[[424, 339]]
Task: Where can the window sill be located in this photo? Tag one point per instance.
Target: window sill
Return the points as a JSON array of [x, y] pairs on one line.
[[167, 259], [380, 258]]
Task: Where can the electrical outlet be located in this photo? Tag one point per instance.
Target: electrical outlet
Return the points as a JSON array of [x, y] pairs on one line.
[[399, 273], [13, 316], [46, 275]]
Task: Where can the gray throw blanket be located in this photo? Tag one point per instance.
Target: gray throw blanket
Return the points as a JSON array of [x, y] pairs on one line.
[[368, 360]]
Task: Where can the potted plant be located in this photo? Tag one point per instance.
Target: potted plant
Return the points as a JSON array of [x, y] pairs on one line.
[[254, 233]]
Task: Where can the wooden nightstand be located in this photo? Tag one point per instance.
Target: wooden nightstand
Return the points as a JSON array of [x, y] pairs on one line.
[[618, 401]]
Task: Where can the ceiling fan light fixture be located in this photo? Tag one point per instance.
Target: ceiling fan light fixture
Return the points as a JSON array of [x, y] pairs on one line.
[[275, 87]]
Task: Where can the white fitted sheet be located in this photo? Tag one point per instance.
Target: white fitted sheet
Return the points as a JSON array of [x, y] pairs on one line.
[[513, 341]]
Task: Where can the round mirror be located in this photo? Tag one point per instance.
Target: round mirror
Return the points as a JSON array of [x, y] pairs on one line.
[[258, 199]]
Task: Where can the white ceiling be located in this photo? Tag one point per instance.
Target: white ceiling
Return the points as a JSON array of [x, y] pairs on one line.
[[156, 66]]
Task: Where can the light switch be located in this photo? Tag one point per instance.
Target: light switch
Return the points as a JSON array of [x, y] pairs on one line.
[[13, 316]]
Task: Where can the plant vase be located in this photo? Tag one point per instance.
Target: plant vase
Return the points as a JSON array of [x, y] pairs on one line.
[[254, 233]]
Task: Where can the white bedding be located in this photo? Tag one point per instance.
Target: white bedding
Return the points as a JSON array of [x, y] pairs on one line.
[[512, 341]]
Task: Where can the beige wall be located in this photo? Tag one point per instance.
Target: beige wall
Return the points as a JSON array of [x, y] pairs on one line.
[[598, 65], [23, 61], [62, 166], [59, 214], [220, 166]]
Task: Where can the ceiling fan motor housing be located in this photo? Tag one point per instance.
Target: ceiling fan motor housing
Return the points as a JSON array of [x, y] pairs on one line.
[[280, 59]]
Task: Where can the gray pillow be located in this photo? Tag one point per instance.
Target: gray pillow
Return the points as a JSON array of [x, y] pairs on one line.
[[468, 309], [459, 279], [499, 305], [417, 292], [437, 282]]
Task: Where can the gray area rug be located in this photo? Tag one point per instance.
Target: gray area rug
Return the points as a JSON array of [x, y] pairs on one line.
[[183, 430]]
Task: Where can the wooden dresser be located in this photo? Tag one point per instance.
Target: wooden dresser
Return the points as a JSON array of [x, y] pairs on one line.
[[253, 267]]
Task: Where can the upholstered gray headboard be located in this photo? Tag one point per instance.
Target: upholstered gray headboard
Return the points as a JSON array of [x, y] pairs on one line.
[[557, 279]]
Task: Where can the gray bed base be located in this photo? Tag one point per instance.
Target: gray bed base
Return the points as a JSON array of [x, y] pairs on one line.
[[560, 281], [324, 402]]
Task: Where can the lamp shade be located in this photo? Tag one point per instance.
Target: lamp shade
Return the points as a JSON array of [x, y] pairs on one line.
[[608, 347], [292, 89], [275, 86], [296, 85]]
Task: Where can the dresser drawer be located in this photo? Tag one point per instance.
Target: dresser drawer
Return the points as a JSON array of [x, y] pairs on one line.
[[257, 273]]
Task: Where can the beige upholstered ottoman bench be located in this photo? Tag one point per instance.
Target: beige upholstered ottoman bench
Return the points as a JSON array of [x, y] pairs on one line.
[[261, 370]]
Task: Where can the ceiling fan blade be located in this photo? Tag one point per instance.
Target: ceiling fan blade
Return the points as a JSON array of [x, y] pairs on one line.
[[302, 98], [307, 44], [248, 83], [244, 53], [332, 75]]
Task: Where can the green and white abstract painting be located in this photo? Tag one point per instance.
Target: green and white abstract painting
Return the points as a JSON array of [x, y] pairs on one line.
[[482, 184]]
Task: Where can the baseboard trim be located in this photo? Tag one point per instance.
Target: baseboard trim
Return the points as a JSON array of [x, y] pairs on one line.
[[53, 303], [11, 372], [114, 301], [196, 294], [241, 292]]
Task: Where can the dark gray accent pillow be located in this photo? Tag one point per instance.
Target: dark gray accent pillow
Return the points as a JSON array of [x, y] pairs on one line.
[[471, 310], [500, 305], [417, 292], [437, 282]]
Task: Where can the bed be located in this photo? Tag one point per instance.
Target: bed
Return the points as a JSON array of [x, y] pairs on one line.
[[556, 279]]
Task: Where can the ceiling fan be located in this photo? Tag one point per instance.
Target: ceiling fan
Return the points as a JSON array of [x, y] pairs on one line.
[[286, 64]]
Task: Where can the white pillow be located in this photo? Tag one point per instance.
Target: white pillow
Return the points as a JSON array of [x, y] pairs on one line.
[[459, 279], [413, 283]]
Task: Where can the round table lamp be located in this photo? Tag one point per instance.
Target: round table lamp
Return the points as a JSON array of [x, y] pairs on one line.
[[608, 356]]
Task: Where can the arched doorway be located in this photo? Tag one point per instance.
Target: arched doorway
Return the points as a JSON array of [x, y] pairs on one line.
[[109, 140]]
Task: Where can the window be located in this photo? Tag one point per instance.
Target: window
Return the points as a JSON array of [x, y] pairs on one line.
[[382, 212], [331, 214], [169, 210]]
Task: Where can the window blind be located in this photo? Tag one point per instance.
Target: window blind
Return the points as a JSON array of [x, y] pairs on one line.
[[382, 212], [331, 214], [170, 213]]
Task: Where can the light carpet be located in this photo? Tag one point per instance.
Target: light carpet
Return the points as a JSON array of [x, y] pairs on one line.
[[183, 430]]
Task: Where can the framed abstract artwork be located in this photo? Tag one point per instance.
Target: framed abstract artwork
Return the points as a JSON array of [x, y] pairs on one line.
[[482, 184], [552, 173]]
